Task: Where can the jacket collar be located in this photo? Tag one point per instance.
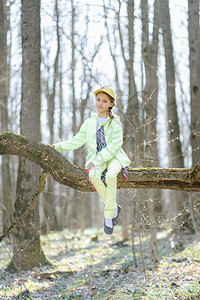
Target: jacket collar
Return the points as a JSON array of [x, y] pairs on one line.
[[95, 116]]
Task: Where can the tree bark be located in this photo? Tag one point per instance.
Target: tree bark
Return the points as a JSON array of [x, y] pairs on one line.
[[194, 59], [132, 105], [68, 174], [4, 88], [49, 207], [150, 54], [176, 158], [27, 250]]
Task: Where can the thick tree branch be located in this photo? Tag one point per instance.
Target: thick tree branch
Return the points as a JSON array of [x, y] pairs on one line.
[[68, 174]]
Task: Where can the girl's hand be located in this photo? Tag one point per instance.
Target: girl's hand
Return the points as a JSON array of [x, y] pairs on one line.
[[90, 166]]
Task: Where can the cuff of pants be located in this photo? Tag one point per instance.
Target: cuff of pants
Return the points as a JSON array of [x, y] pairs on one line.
[[109, 214]]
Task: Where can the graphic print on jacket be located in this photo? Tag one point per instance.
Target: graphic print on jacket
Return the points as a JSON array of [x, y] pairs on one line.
[[101, 142]]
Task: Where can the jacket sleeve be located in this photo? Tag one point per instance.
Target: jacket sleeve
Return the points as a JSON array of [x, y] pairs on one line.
[[76, 142], [112, 147]]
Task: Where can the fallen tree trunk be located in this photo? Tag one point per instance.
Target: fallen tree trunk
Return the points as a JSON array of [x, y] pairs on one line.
[[70, 175]]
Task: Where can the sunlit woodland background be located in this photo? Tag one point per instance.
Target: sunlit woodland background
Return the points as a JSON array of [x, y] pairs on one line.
[[148, 51]]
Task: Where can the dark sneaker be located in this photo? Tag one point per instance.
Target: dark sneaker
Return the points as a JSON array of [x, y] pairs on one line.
[[108, 226], [116, 219]]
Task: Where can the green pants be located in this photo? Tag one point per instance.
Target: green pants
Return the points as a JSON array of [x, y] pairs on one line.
[[108, 194]]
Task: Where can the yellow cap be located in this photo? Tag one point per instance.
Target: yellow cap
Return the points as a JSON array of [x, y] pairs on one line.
[[106, 89]]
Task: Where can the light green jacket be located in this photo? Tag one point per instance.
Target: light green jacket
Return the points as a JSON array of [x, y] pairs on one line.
[[87, 135]]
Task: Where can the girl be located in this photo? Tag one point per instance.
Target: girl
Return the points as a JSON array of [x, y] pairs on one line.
[[103, 136]]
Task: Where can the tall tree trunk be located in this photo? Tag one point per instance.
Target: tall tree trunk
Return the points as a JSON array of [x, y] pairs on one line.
[[194, 58], [75, 206], [176, 154], [27, 250], [174, 129], [49, 206], [132, 107], [62, 190], [4, 88], [74, 203], [150, 54]]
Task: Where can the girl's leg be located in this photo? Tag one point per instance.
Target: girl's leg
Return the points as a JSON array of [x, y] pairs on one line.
[[114, 167], [95, 177]]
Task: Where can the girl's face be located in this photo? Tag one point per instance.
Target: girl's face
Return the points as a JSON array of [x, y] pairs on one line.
[[102, 104]]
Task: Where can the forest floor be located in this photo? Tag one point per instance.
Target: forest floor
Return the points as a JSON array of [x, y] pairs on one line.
[[93, 265]]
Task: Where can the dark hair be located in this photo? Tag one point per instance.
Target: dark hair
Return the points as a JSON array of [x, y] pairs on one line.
[[110, 112]]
